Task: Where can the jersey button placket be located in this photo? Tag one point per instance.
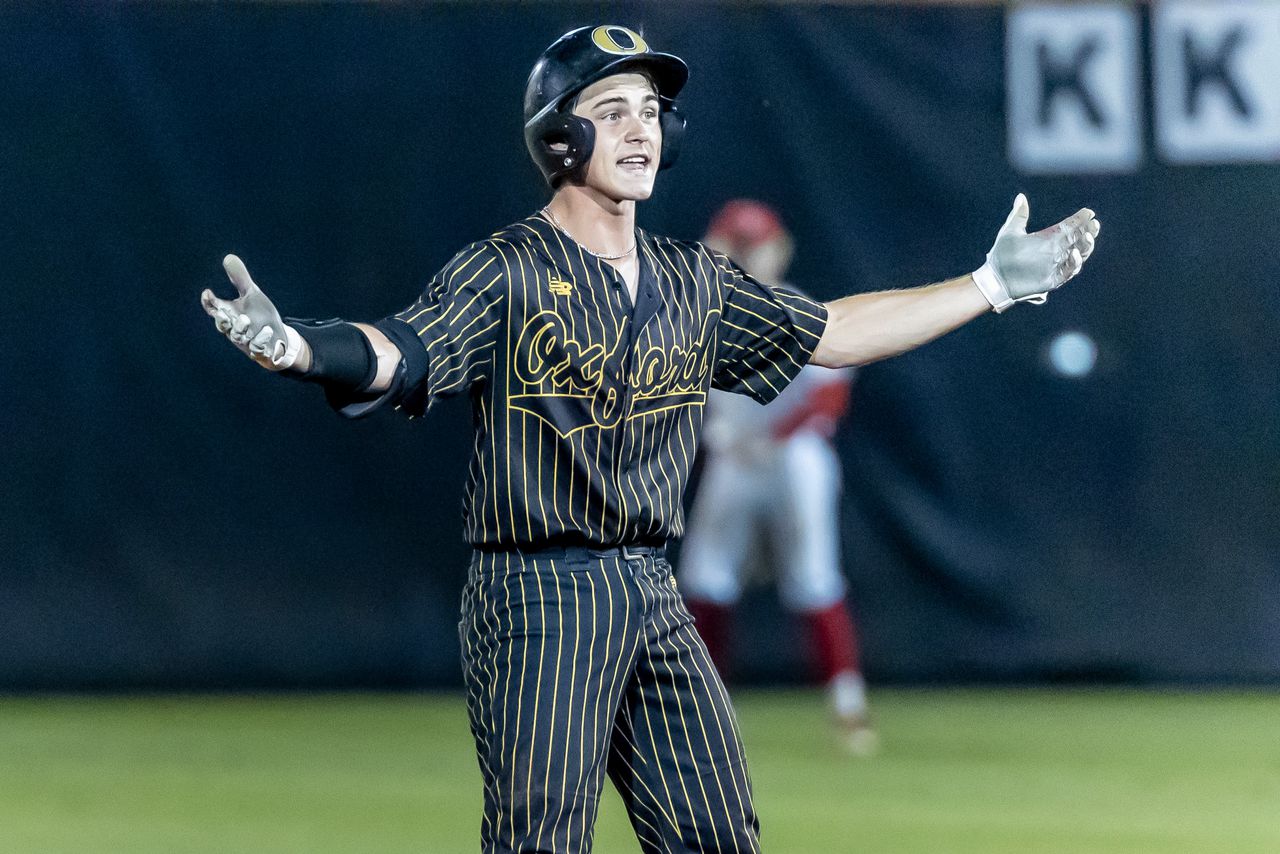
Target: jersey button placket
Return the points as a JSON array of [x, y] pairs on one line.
[[621, 466]]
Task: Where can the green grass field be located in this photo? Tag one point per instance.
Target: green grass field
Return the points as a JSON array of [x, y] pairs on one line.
[[959, 771]]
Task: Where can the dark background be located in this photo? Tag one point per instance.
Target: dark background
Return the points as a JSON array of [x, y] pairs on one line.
[[173, 516]]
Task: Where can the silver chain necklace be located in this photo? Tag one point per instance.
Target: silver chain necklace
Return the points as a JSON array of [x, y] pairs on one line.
[[552, 218]]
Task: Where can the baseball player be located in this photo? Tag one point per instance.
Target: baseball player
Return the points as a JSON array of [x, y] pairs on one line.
[[772, 478], [586, 347]]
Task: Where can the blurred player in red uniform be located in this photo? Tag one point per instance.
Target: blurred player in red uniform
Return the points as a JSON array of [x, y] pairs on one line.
[[772, 475]]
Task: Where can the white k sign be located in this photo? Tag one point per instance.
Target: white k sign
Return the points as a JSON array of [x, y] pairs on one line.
[[1217, 80], [1073, 87]]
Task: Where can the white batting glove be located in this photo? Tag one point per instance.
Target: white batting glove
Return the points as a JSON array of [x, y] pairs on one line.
[[1024, 267], [251, 322]]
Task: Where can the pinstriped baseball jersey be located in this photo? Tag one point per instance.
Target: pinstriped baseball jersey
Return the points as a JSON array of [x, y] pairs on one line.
[[587, 408]]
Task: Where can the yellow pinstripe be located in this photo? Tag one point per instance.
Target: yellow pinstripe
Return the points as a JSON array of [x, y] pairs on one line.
[[511, 510], [478, 464], [777, 293], [798, 305], [524, 664], [573, 683], [537, 703]]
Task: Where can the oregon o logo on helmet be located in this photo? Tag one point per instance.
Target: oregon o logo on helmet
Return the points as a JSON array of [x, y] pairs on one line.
[[619, 40]]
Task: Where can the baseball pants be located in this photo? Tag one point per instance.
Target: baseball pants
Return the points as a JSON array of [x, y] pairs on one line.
[[792, 499], [580, 664]]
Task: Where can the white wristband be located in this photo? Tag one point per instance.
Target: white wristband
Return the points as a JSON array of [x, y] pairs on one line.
[[996, 293], [293, 346], [989, 283]]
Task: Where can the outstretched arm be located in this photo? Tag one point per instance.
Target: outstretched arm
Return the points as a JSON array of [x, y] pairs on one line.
[[252, 323], [1020, 267], [868, 327]]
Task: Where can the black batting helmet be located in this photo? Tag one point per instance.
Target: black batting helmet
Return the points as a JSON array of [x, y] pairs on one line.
[[561, 142]]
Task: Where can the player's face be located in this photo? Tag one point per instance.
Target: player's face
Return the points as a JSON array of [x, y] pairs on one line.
[[624, 161]]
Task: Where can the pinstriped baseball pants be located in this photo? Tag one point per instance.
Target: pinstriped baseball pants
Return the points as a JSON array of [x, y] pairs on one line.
[[580, 668]]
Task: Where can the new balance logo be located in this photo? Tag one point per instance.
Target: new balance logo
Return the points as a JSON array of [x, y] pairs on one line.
[[559, 287]]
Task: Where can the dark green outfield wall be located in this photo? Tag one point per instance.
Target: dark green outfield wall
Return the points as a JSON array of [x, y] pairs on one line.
[[1002, 523]]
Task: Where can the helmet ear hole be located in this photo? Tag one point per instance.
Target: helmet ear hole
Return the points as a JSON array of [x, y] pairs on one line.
[[560, 143]]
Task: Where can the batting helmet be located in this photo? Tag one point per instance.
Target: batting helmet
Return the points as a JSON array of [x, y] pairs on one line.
[[561, 142]]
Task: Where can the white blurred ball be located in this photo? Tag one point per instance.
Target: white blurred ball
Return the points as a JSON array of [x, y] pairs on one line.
[[1072, 354]]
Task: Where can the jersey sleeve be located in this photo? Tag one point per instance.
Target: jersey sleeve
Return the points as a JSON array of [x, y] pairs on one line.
[[766, 335], [446, 338]]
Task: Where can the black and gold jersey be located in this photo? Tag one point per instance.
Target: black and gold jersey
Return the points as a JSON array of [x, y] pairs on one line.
[[587, 408]]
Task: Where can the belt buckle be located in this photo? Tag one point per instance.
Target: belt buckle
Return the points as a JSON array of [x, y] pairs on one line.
[[629, 554]]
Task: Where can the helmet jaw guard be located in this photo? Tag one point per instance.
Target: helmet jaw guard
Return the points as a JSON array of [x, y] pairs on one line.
[[561, 143], [672, 123]]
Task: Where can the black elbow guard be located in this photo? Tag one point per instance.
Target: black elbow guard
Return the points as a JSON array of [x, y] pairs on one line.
[[342, 359]]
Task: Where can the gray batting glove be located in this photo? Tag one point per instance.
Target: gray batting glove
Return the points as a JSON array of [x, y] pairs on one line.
[[1024, 267], [251, 322]]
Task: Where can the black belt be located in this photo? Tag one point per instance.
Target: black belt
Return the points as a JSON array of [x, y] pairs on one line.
[[581, 553]]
